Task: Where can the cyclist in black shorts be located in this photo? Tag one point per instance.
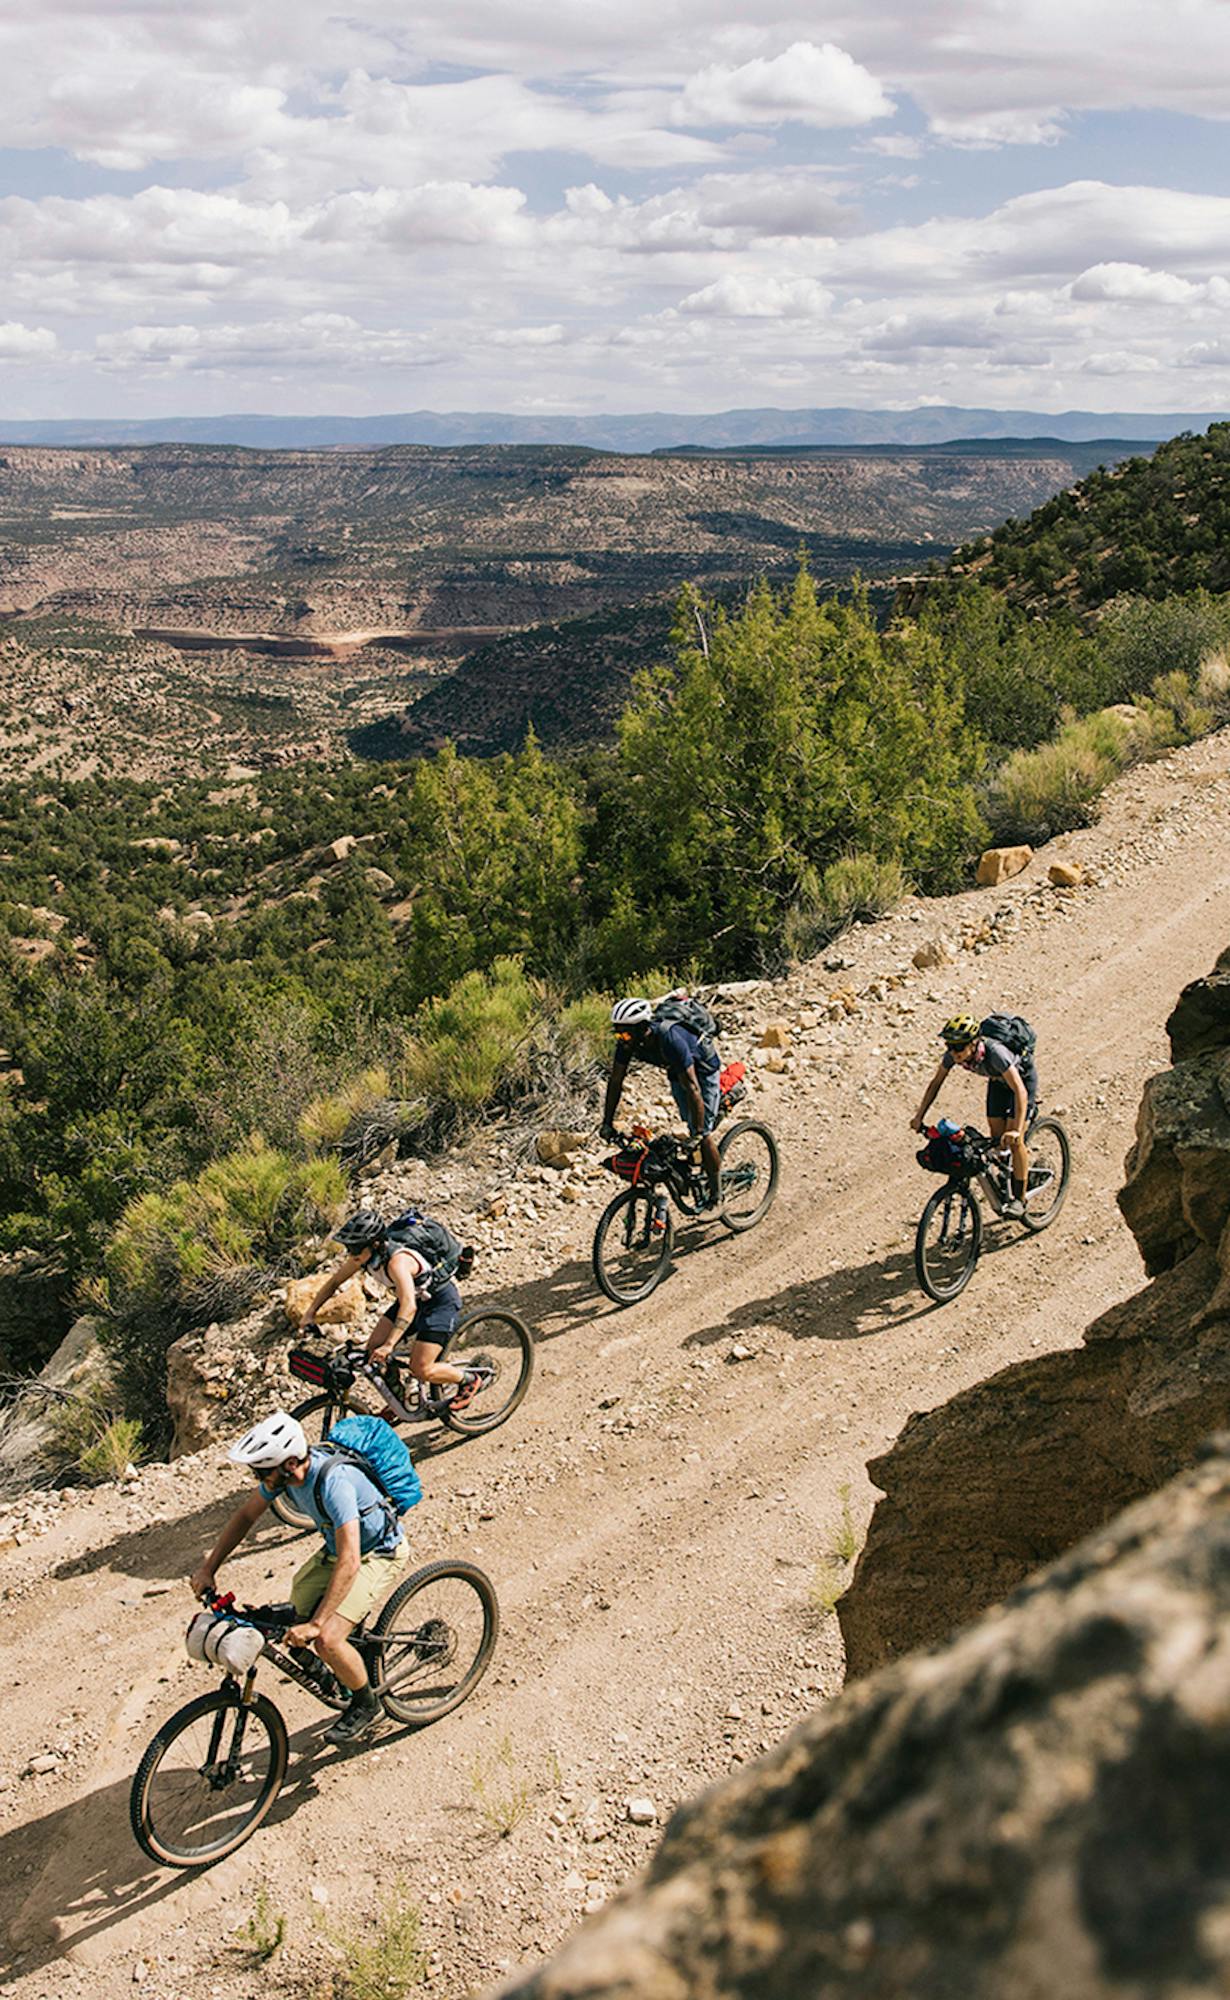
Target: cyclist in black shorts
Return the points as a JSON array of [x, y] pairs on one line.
[[421, 1306], [1012, 1093]]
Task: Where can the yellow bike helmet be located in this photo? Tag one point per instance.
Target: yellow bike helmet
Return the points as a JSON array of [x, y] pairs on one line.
[[960, 1031]]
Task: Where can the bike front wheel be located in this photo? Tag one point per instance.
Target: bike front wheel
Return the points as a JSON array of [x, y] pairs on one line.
[[208, 1779], [748, 1156], [433, 1641], [947, 1243], [502, 1344], [632, 1246], [1050, 1164]]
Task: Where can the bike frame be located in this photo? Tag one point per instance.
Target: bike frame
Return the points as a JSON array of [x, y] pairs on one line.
[[285, 1663], [345, 1368]]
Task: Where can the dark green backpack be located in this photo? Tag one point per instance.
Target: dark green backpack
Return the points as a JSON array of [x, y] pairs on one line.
[[1012, 1030], [430, 1239]]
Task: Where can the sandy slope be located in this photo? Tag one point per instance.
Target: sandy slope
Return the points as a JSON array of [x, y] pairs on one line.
[[655, 1514]]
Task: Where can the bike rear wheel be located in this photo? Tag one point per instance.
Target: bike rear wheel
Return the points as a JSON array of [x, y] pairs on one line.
[[433, 1641], [208, 1779], [1050, 1164], [630, 1254], [748, 1156], [499, 1341], [947, 1242]]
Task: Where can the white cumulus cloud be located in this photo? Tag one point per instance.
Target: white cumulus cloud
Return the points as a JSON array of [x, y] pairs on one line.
[[25, 343], [751, 297], [813, 85]]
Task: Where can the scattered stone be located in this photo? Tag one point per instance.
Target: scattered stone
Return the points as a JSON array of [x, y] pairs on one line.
[[38, 1767], [774, 1035], [555, 1149], [379, 882], [1065, 874], [740, 1352], [998, 864], [642, 1812], [929, 954], [342, 848]]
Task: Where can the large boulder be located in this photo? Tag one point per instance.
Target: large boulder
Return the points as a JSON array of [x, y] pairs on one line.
[[1201, 1020], [1177, 1194], [1036, 1813], [1011, 1472], [347, 1307]]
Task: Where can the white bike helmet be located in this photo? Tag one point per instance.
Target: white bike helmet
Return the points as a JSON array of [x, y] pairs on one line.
[[270, 1443], [631, 1013]]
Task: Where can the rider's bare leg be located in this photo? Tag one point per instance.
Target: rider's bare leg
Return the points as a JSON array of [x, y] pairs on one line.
[[1017, 1149], [332, 1645], [712, 1164], [426, 1365]]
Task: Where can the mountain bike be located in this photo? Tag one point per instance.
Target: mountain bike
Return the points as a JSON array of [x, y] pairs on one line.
[[498, 1343], [635, 1233], [213, 1770], [948, 1240]]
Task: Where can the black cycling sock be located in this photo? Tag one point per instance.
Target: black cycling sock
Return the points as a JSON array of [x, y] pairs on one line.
[[1018, 1189]]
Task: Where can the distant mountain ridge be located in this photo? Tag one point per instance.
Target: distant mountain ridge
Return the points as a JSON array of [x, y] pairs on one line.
[[643, 432]]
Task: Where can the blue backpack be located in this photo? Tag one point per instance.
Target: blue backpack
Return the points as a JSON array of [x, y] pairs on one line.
[[374, 1446]]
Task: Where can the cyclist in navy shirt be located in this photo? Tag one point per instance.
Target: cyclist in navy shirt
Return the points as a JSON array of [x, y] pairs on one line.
[[693, 1067]]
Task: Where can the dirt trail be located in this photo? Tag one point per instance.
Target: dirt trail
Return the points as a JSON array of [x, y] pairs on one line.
[[658, 1516]]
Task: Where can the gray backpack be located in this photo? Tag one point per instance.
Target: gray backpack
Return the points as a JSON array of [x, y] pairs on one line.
[[1013, 1031], [430, 1239], [680, 1009]]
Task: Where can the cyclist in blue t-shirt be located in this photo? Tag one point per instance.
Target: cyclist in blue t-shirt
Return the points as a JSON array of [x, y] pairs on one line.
[[363, 1555], [693, 1068]]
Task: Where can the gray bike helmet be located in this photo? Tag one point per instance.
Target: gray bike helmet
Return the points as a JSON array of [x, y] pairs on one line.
[[360, 1230]]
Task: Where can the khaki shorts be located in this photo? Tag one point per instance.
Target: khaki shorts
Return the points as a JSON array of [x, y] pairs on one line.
[[377, 1575]]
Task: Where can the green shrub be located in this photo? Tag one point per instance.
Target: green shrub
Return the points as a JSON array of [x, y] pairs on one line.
[[327, 1120], [384, 1963], [859, 886], [84, 1434], [205, 1249], [1039, 793], [583, 1032], [112, 1452], [470, 1047]]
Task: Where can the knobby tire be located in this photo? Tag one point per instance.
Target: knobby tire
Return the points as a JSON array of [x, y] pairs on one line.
[[510, 1336], [946, 1287], [633, 1208], [408, 1614], [163, 1845]]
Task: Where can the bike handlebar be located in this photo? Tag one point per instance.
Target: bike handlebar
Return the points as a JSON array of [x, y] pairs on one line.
[[270, 1618]]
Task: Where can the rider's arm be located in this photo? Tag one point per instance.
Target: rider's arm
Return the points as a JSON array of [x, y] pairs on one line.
[[404, 1269], [614, 1090], [346, 1269], [245, 1516], [928, 1098], [696, 1103]]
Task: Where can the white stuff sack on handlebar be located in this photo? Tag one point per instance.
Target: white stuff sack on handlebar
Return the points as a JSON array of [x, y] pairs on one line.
[[221, 1641]]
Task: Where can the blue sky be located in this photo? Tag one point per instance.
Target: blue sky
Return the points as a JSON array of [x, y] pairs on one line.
[[602, 206]]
